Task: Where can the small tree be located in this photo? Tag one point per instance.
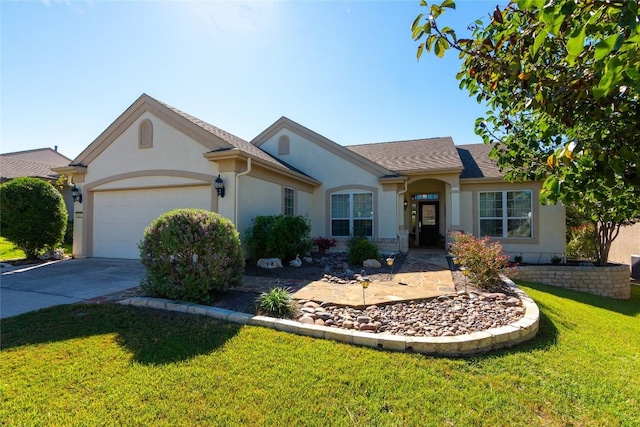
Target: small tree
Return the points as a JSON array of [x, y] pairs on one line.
[[33, 215], [484, 260], [562, 82]]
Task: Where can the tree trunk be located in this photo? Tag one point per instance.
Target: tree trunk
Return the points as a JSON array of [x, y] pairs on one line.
[[606, 233]]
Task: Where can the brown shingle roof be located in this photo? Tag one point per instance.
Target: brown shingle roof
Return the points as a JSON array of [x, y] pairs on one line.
[[418, 155], [229, 138], [34, 163], [477, 163]]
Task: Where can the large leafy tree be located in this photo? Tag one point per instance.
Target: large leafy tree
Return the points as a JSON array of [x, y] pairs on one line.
[[562, 82]]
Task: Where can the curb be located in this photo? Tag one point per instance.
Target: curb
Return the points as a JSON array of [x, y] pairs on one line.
[[510, 335]]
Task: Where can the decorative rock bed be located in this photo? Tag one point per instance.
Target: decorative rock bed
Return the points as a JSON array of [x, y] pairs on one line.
[[447, 315], [447, 344]]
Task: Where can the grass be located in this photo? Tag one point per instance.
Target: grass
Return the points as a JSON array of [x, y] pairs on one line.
[[109, 364], [9, 252]]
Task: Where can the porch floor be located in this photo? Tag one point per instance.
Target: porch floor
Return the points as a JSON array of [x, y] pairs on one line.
[[424, 274]]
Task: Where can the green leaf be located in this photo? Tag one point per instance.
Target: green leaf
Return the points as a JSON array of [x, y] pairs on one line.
[[604, 47], [540, 38], [416, 22], [575, 44], [438, 50], [418, 32], [448, 3], [420, 49]]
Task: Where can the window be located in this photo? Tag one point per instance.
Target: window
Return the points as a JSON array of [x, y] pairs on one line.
[[145, 134], [506, 213], [352, 213], [289, 201], [428, 196], [283, 145]]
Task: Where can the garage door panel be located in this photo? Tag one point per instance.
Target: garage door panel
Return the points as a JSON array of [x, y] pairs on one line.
[[120, 217]]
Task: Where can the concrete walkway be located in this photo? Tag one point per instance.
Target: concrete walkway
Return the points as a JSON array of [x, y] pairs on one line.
[[424, 274]]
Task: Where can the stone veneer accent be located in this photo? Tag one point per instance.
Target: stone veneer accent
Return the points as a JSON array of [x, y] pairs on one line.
[[611, 281], [522, 330]]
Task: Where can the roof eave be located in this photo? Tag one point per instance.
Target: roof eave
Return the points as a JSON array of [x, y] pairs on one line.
[[234, 153]]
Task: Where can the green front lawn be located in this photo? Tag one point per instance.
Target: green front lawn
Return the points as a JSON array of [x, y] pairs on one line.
[[9, 252], [108, 365]]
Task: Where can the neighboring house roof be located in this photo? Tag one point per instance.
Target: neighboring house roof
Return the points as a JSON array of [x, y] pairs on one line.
[[33, 163], [413, 156], [477, 163]]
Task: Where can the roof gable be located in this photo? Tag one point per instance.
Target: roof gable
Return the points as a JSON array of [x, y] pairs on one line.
[[323, 142]]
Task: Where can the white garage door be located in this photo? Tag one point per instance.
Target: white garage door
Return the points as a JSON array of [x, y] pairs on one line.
[[120, 217]]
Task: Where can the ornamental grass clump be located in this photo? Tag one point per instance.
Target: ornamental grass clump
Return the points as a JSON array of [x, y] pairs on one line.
[[276, 302], [189, 254], [483, 259]]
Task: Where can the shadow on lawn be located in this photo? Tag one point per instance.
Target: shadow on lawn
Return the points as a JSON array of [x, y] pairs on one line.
[[152, 336]]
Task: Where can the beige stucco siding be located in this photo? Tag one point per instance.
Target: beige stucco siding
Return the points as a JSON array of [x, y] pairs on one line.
[[171, 150], [256, 197], [336, 174], [626, 244]]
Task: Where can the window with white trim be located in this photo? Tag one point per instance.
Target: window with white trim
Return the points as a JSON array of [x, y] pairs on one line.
[[352, 214], [506, 213], [289, 201]]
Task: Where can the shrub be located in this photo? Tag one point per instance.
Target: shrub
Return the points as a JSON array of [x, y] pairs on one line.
[[189, 254], [277, 302], [278, 236], [324, 242], [483, 259], [68, 235], [581, 242], [33, 215], [361, 249]]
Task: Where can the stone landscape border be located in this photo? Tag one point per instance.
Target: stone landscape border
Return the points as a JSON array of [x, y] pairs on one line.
[[520, 331]]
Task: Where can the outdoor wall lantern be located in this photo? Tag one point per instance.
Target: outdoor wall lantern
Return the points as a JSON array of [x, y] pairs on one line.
[[219, 186], [405, 204], [75, 194]]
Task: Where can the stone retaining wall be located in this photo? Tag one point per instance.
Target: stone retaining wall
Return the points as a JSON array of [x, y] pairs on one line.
[[612, 281]]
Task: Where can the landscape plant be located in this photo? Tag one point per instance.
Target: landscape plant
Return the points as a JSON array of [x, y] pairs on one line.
[[277, 301], [361, 249], [278, 236], [324, 243], [33, 215], [561, 80], [483, 259], [189, 254]]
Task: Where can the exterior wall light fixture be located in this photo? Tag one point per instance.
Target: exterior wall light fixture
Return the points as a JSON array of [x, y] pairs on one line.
[[75, 194], [405, 204], [219, 186]]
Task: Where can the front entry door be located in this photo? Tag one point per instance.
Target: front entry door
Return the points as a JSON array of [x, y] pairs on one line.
[[429, 224]]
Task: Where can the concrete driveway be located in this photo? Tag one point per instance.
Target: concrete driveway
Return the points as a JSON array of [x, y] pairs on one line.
[[29, 288]]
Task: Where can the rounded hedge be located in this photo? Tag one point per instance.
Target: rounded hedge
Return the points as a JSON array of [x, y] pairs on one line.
[[189, 254], [33, 215]]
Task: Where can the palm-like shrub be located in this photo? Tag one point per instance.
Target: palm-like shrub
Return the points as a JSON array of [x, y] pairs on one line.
[[189, 254], [276, 302], [33, 215], [483, 259]]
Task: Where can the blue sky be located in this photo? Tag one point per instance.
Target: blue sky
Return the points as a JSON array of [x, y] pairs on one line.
[[346, 70]]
